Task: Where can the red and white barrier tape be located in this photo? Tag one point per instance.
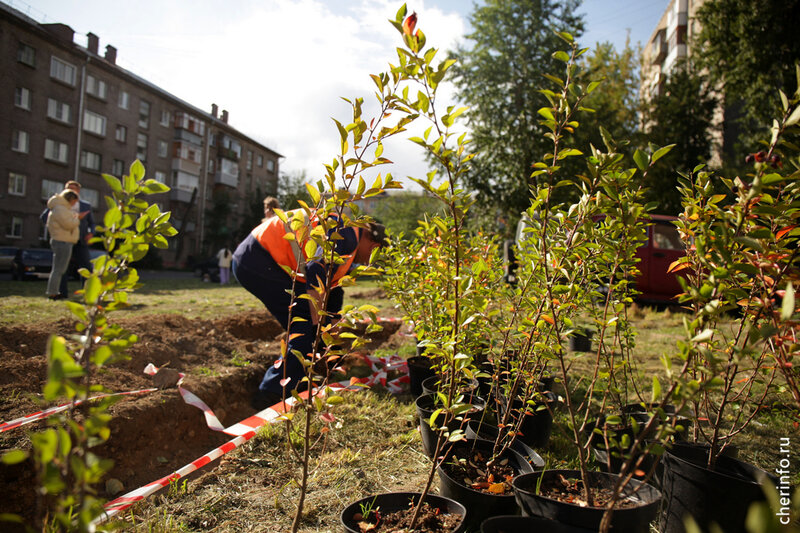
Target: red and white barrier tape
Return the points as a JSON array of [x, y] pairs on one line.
[[244, 431], [39, 415]]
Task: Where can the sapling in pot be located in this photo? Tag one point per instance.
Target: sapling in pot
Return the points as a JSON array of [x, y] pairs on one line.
[[570, 254]]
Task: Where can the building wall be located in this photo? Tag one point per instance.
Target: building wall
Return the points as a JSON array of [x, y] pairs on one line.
[[113, 117]]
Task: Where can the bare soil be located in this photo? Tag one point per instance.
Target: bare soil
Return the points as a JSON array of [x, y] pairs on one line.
[[156, 433]]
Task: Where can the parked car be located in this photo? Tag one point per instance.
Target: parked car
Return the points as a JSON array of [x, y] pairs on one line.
[[7, 254], [72, 270], [207, 267], [32, 263], [662, 247]]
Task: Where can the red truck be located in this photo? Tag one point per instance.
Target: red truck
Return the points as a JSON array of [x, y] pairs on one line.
[[662, 248]]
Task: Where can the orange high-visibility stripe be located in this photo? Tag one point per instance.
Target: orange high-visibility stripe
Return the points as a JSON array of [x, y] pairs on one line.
[[290, 253]]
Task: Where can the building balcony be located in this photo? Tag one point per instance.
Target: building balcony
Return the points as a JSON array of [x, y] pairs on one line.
[[660, 47], [180, 195], [190, 167], [228, 153], [226, 179]]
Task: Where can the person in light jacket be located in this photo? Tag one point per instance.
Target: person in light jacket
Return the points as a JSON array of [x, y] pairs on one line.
[[63, 223], [224, 260]]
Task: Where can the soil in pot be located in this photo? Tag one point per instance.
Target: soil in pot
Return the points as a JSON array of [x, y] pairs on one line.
[[558, 495], [419, 369], [392, 512], [427, 404], [484, 489], [431, 385], [721, 496]]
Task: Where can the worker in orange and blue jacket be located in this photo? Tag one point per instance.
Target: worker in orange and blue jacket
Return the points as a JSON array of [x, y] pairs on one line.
[[257, 264]]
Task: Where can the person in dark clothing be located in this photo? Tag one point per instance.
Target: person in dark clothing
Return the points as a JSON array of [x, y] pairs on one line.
[[80, 250], [257, 264]]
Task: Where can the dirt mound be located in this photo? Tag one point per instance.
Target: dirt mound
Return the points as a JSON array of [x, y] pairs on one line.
[[156, 433]]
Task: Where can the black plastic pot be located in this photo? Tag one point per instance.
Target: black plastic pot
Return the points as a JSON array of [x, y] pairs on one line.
[[538, 425], [481, 505], [426, 405], [722, 495], [527, 524], [419, 369], [397, 501], [477, 429], [631, 520], [639, 412], [579, 342]]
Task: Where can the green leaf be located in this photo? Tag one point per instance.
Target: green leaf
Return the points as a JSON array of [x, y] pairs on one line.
[[14, 456], [794, 118], [661, 152], [561, 55], [656, 390], [749, 243], [641, 159], [787, 307]]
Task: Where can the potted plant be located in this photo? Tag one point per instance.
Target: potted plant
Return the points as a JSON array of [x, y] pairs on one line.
[[740, 264], [578, 259]]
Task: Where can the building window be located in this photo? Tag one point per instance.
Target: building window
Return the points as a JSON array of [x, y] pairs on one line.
[[211, 166], [118, 168], [161, 177], [91, 196], [121, 134], [163, 148], [15, 228], [270, 165], [50, 187], [141, 147], [62, 71], [96, 87], [26, 54], [124, 100], [16, 184], [249, 160], [22, 98], [144, 114], [20, 142], [94, 123], [164, 118], [55, 151], [91, 161], [59, 111], [260, 160]]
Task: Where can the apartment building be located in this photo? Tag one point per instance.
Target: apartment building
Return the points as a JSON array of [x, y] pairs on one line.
[[68, 112]]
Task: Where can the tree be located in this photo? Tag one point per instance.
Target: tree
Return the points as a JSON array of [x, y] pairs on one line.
[[614, 105], [401, 212], [218, 221], [253, 213], [291, 188], [682, 115], [498, 77], [749, 49]]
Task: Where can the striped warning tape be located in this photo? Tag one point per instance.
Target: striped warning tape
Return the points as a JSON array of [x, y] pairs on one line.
[[244, 431], [39, 415]]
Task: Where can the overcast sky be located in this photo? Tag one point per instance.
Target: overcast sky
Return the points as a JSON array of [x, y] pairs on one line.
[[279, 67]]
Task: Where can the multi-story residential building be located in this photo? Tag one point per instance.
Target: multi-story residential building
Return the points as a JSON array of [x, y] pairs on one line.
[[670, 42], [69, 113]]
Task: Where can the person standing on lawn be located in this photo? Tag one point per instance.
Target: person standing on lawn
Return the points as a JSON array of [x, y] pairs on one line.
[[257, 264], [63, 223], [224, 260], [80, 250]]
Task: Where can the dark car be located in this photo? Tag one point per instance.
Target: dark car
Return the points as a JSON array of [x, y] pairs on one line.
[[7, 254], [207, 269], [32, 263], [72, 269]]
